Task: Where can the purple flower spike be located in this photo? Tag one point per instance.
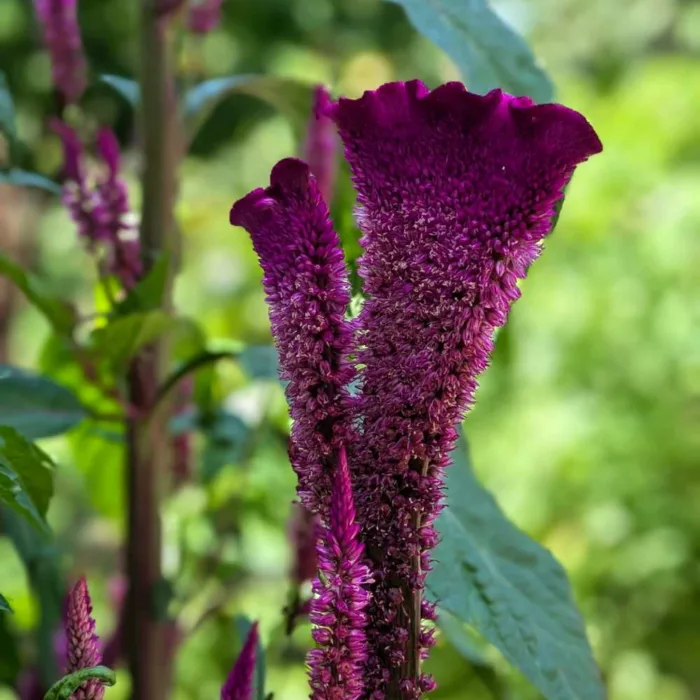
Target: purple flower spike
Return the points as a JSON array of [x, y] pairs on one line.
[[59, 23], [239, 685], [83, 643], [321, 147], [456, 192], [307, 292], [336, 667], [205, 15]]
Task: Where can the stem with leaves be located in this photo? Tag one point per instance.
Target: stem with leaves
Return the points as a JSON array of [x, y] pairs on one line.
[[148, 451]]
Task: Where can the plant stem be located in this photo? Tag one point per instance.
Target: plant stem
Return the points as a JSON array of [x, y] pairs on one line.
[[147, 441]]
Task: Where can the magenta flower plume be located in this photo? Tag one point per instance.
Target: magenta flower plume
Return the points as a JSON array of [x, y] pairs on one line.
[[307, 292], [59, 24], [456, 192], [100, 208], [82, 642], [204, 16], [239, 684], [321, 147], [340, 599]]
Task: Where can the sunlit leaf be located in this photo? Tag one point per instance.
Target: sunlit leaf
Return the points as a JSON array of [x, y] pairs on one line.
[[147, 295], [26, 477], [25, 178], [291, 98], [127, 88], [490, 575], [58, 312], [488, 52], [35, 406]]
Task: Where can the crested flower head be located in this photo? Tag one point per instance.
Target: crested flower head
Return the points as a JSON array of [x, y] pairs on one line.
[[83, 648], [100, 208], [456, 192], [320, 149], [339, 599], [307, 293], [239, 684], [59, 24]]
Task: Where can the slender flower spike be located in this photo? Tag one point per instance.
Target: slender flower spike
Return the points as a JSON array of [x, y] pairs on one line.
[[205, 15], [336, 667], [239, 685], [59, 23], [83, 648], [456, 192], [307, 292], [100, 208], [321, 147]]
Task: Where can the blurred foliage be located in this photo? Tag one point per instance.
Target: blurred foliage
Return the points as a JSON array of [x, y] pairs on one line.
[[585, 427]]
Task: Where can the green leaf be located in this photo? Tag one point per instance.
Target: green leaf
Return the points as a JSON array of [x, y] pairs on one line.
[[227, 437], [36, 406], [58, 312], [99, 457], [489, 574], [7, 110], [290, 97], [122, 339], [260, 361], [147, 295], [64, 688], [486, 50], [243, 625], [26, 477], [462, 638], [127, 88], [4, 605], [24, 178]]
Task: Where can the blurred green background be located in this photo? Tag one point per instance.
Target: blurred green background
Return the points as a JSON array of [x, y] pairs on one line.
[[586, 426]]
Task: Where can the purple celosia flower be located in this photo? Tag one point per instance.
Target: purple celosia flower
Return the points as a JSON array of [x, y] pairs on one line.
[[59, 23], [339, 600], [204, 16], [307, 291], [321, 146], [239, 684], [101, 208], [83, 649], [456, 192]]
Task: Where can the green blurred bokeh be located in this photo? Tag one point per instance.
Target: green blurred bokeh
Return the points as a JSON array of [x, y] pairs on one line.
[[586, 424]]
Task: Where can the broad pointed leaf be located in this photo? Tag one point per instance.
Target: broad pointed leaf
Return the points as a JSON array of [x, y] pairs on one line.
[[489, 574], [58, 312], [35, 406], [127, 88], [26, 477], [25, 178], [486, 50]]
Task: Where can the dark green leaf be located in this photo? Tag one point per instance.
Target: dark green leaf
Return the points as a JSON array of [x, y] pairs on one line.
[[226, 440], [26, 477], [260, 361], [124, 87], [36, 406], [462, 638], [243, 625], [486, 50], [147, 295], [59, 313], [490, 575], [120, 340], [7, 110], [24, 178], [290, 97], [4, 605]]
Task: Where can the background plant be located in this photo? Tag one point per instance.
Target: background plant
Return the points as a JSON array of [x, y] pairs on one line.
[[597, 402]]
